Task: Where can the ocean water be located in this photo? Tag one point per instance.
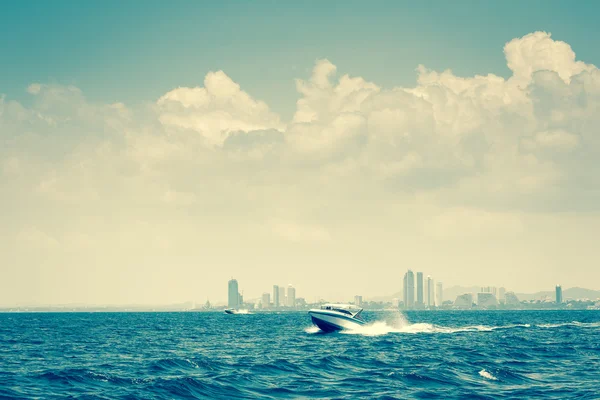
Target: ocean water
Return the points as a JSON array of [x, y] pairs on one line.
[[446, 354]]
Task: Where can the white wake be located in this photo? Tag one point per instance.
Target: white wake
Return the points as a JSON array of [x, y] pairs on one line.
[[400, 325]]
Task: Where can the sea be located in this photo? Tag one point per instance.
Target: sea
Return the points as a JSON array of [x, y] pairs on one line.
[[272, 355]]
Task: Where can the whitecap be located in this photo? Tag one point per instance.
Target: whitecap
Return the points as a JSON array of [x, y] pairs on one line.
[[487, 375], [312, 329]]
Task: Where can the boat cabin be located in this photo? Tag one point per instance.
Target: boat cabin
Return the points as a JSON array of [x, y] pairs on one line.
[[348, 309]]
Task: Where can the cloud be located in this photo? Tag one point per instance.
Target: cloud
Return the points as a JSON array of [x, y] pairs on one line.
[[215, 110], [539, 52], [35, 239], [296, 232], [465, 222], [189, 173], [556, 139], [472, 140]]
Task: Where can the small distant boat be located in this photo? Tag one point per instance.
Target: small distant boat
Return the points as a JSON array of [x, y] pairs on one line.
[[336, 317], [236, 311]]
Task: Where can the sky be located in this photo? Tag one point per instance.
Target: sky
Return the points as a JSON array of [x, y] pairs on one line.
[[149, 154]]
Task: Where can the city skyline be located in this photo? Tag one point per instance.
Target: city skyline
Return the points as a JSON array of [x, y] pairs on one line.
[[146, 161]]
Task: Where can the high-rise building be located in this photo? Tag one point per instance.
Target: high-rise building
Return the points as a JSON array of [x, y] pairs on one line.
[[282, 299], [511, 299], [291, 296], [275, 296], [464, 301], [439, 294], [358, 301], [409, 290], [430, 292], [266, 300], [233, 295], [559, 297], [501, 295], [420, 303], [486, 300]]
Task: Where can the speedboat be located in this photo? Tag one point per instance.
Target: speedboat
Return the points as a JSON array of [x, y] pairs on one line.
[[335, 317], [236, 311]]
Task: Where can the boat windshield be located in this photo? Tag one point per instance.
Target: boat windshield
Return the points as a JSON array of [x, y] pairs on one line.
[[347, 309]]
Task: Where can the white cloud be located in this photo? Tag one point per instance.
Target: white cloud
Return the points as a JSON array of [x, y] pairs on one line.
[[296, 232], [466, 156], [35, 239], [555, 139], [539, 52], [34, 88], [215, 110], [465, 222]]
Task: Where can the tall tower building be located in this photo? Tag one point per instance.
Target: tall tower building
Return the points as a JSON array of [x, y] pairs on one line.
[[275, 296], [409, 290], [420, 303], [439, 294], [358, 301], [233, 295], [501, 294], [282, 299], [291, 296], [266, 300], [430, 294], [559, 298]]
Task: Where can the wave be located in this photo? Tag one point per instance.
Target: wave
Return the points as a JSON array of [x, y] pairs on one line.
[[383, 328], [572, 323], [487, 375]]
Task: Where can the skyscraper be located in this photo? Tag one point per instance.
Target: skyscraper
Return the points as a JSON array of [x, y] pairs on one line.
[[420, 303], [439, 294], [275, 296], [559, 298], [511, 299], [430, 289], [358, 301], [233, 295], [501, 294], [464, 301], [486, 300], [282, 299], [409, 290], [291, 296], [266, 300]]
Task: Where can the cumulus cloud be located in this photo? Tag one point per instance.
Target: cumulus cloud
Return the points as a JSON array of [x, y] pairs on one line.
[[211, 160], [215, 110], [447, 132], [539, 52]]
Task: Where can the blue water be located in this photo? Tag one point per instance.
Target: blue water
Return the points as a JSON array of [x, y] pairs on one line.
[[486, 355]]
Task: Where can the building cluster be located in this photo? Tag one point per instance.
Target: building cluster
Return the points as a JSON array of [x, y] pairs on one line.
[[429, 295], [487, 297], [492, 297], [282, 298], [419, 293]]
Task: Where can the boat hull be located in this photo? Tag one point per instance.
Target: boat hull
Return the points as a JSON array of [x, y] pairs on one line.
[[332, 321]]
